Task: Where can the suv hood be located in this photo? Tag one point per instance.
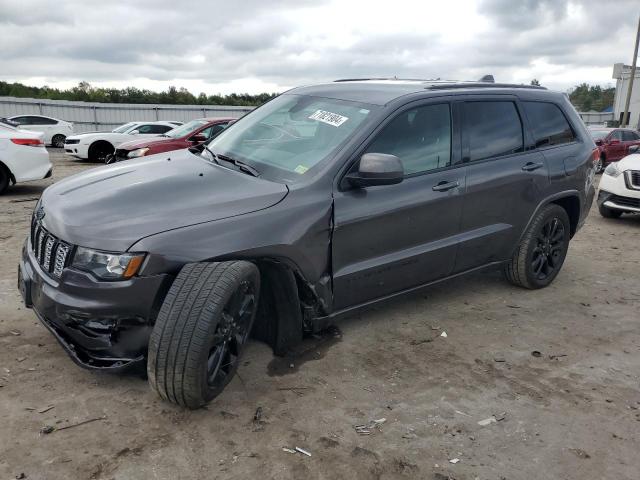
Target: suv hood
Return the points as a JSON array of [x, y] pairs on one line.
[[112, 207]]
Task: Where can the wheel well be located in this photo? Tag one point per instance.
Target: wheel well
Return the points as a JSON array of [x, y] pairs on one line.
[[100, 143], [603, 156], [572, 207], [12, 179], [279, 320]]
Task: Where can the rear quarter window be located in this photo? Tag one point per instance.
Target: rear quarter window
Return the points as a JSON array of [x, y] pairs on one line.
[[548, 124]]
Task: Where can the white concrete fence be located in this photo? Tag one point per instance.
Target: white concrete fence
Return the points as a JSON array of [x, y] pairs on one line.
[[93, 116]]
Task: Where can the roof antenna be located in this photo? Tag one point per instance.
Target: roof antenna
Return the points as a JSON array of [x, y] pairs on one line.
[[488, 79]]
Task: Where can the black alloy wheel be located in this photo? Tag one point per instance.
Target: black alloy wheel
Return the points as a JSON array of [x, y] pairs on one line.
[[541, 252], [231, 335], [548, 254]]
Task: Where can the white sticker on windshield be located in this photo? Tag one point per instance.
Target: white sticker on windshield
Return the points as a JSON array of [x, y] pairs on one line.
[[328, 118]]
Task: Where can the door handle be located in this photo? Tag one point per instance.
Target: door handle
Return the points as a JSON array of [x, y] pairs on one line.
[[530, 166], [444, 186]]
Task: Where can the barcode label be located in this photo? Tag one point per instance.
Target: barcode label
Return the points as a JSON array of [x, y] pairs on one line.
[[328, 118]]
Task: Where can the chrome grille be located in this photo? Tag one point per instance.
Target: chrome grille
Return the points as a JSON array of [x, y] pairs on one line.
[[634, 178], [51, 252]]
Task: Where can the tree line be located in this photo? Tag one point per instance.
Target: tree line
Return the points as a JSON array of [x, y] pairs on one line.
[[587, 97], [584, 97], [85, 92]]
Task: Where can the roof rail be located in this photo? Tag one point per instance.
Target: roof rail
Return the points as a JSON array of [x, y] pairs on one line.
[[486, 81], [387, 78], [447, 86]]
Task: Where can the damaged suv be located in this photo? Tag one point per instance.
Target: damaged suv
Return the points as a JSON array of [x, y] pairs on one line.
[[320, 202]]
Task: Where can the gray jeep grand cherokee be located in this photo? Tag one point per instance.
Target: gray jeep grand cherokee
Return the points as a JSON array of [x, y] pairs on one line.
[[320, 202]]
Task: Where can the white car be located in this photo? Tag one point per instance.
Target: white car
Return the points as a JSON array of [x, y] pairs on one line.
[[55, 131], [99, 146], [619, 190], [22, 156]]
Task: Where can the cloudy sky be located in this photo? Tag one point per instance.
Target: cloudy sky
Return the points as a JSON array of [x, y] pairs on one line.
[[268, 45]]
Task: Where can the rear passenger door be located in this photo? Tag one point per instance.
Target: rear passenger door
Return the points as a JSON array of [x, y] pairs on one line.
[[506, 177], [390, 238]]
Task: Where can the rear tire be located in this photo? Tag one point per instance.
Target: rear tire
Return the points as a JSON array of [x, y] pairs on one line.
[[201, 331], [4, 179], [600, 165], [100, 151], [58, 141], [542, 250], [607, 212]]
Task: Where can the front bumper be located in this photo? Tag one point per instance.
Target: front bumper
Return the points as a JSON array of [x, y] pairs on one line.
[[619, 193], [101, 325]]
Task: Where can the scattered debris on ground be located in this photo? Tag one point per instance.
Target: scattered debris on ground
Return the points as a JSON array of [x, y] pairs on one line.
[[369, 428]]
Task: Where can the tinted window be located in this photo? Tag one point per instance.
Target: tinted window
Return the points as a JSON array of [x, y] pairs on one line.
[[616, 135], [153, 128], [494, 129], [550, 126], [43, 121], [420, 138], [20, 120], [629, 136]]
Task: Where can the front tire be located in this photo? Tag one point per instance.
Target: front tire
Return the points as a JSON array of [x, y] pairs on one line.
[[542, 250], [100, 151], [58, 141], [600, 165], [201, 331]]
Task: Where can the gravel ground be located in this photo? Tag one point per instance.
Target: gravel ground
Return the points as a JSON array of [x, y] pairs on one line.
[[573, 412]]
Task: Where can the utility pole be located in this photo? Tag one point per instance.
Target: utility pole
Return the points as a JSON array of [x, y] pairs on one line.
[[625, 115]]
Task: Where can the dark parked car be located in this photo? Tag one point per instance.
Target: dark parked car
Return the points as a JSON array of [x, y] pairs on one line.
[[613, 144], [188, 135], [320, 202]]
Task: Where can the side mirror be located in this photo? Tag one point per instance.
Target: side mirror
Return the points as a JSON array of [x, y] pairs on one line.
[[614, 142], [377, 169], [599, 142], [135, 132], [198, 138], [634, 149]]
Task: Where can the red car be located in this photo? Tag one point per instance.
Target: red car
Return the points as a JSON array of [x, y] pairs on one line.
[[613, 144], [188, 135]]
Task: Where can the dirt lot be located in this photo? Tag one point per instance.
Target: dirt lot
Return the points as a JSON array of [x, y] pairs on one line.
[[573, 412]]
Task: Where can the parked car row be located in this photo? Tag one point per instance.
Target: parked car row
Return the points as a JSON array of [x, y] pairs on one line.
[[99, 146], [130, 140]]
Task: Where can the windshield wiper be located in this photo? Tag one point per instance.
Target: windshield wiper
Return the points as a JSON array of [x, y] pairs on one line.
[[216, 157]]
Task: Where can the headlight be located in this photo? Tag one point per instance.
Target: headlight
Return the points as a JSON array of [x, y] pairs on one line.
[[107, 265], [613, 170], [140, 152]]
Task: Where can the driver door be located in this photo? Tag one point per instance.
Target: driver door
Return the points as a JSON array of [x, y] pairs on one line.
[[391, 238]]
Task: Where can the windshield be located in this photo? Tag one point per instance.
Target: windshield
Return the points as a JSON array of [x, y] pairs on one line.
[[124, 128], [186, 129], [599, 134], [288, 136]]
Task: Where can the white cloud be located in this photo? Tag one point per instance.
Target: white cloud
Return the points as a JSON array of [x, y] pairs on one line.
[[254, 46]]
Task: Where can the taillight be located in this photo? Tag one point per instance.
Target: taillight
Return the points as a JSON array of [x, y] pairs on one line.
[[30, 142]]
